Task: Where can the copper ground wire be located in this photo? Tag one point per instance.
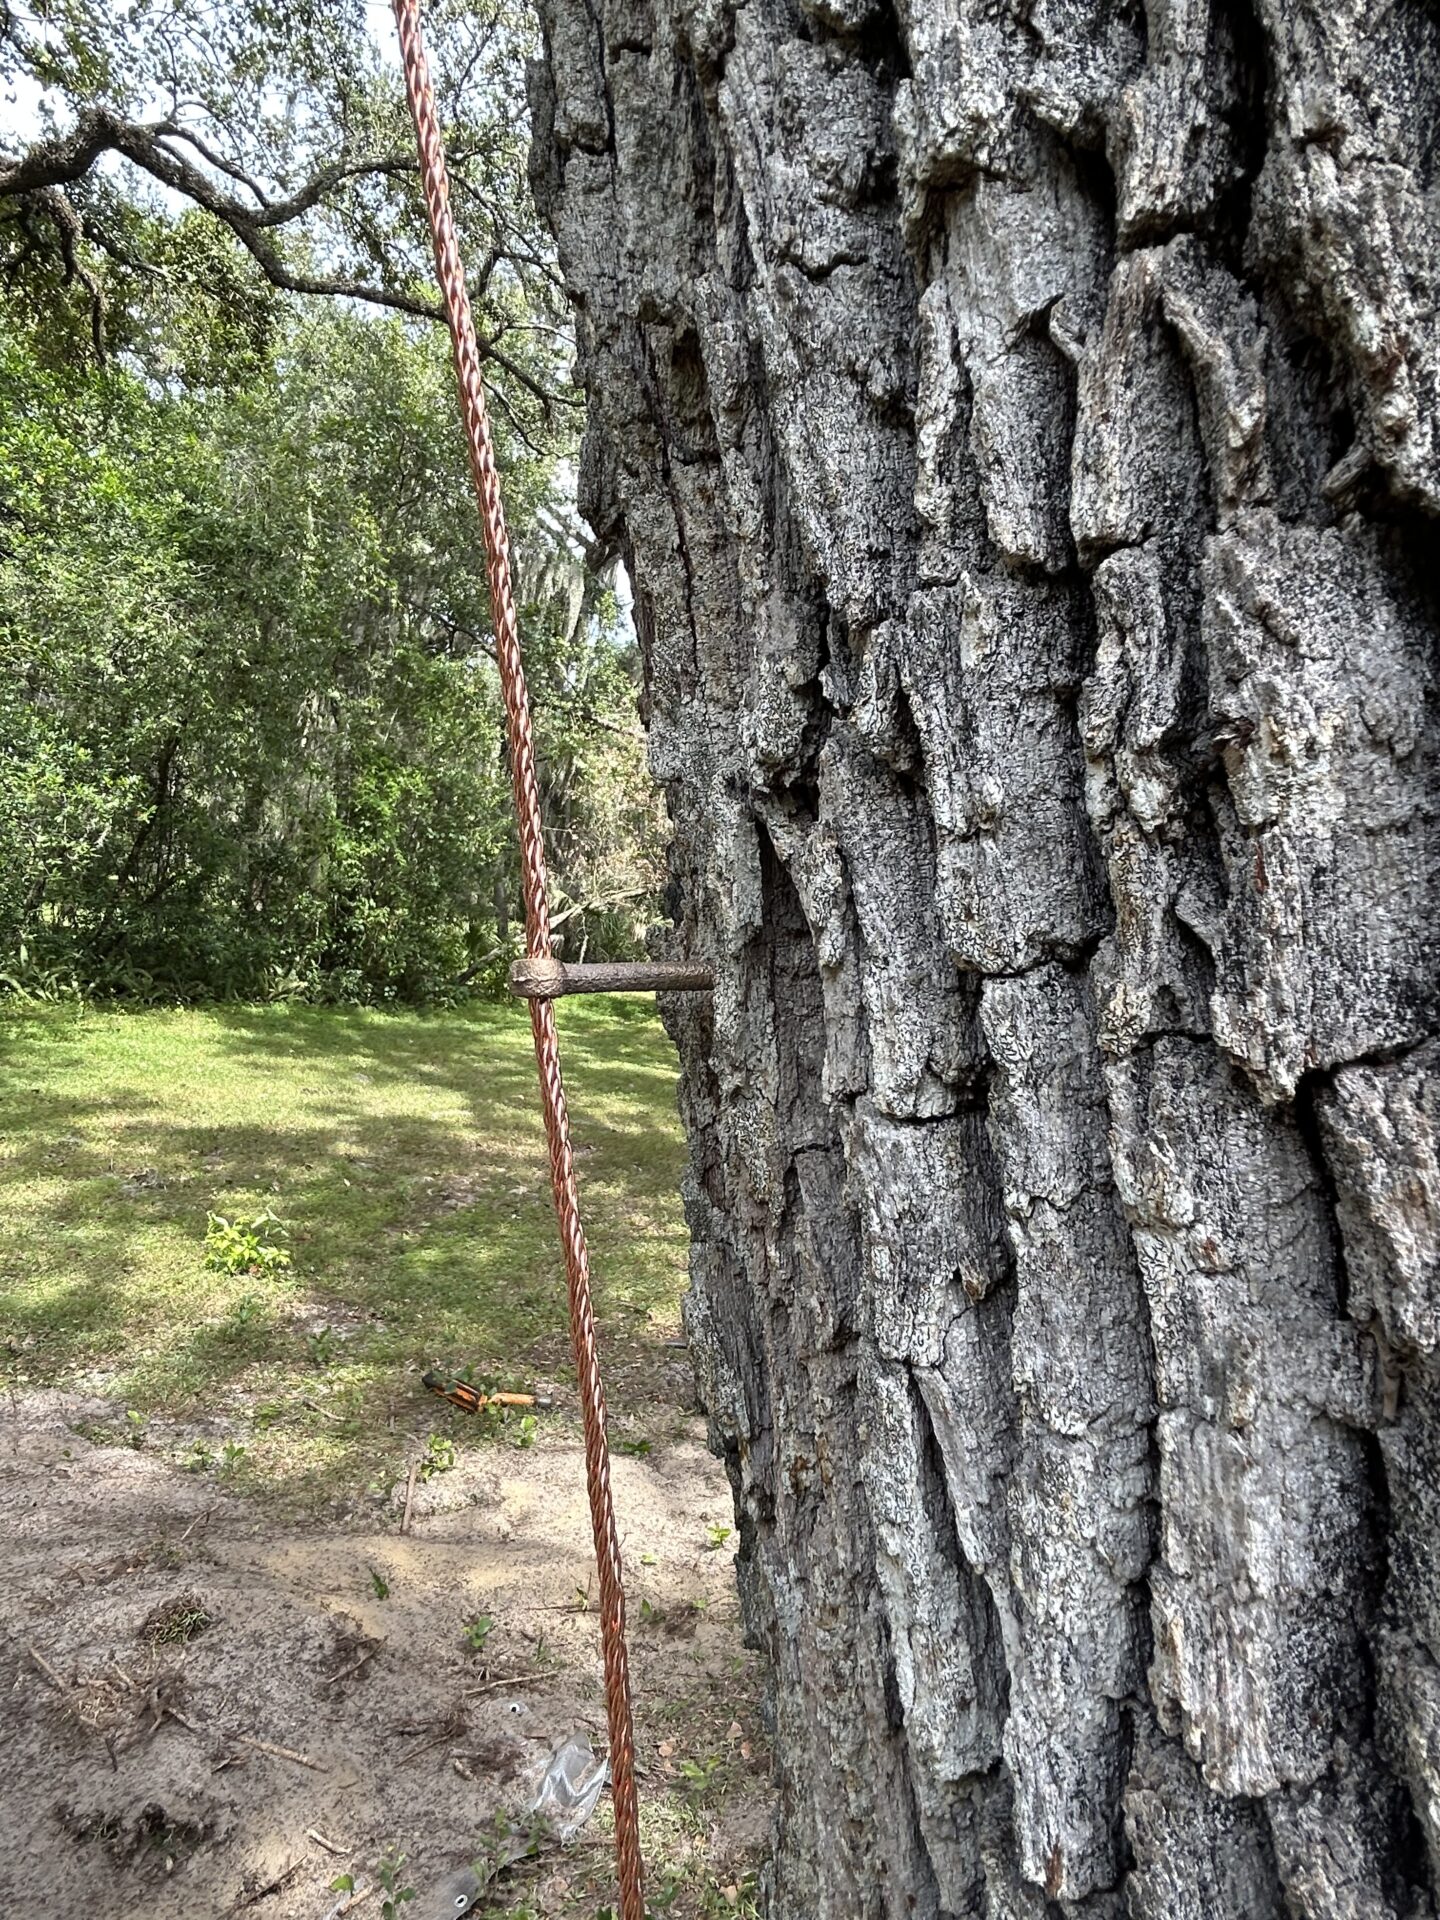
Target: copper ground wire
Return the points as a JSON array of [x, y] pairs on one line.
[[537, 946]]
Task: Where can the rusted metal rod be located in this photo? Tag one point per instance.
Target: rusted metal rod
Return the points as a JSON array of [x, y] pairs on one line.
[[537, 979]]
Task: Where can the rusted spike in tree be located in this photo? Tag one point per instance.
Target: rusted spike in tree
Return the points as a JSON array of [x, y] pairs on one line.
[[536, 979]]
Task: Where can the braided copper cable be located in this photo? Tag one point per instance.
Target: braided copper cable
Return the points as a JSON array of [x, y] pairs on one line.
[[537, 945]]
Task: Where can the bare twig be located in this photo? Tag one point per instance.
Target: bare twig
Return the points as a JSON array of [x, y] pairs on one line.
[[277, 1885], [330, 1846], [504, 1680], [426, 1746], [200, 1520], [348, 1902], [453, 1727], [279, 1753], [49, 1672], [409, 1495], [344, 1673]]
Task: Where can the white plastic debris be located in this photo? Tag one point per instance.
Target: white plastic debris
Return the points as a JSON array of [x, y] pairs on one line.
[[570, 1788]]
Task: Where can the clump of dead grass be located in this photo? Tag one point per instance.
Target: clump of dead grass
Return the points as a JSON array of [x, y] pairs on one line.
[[174, 1623]]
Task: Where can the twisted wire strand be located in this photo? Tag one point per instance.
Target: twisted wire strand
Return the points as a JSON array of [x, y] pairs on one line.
[[480, 442]]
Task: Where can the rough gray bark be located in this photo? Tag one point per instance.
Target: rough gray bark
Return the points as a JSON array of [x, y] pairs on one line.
[[1021, 419]]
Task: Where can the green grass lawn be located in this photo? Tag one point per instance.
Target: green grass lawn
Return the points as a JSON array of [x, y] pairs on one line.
[[405, 1155]]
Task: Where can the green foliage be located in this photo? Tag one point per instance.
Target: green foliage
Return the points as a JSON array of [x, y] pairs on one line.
[[284, 145], [699, 1775], [439, 1456], [321, 1347], [245, 1247], [247, 1313], [250, 733], [389, 1871], [477, 1632]]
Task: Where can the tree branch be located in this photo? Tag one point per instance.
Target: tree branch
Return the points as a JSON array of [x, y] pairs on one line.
[[69, 157], [51, 165], [70, 230]]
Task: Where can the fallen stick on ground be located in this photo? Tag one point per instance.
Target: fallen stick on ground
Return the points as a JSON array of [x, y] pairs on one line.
[[503, 1680], [277, 1885], [49, 1672], [334, 1679], [278, 1752], [330, 1846], [348, 1902], [200, 1520]]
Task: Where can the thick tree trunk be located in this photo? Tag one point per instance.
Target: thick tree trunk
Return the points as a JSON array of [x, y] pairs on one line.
[[1020, 421]]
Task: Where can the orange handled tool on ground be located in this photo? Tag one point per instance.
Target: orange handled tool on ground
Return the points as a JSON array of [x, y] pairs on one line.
[[469, 1398]]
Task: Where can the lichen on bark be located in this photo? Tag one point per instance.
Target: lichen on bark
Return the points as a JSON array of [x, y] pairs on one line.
[[1021, 423]]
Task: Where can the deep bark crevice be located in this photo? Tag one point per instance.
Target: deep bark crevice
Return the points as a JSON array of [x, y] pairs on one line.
[[1029, 471]]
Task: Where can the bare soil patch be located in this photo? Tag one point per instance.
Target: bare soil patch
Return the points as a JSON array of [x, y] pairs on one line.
[[205, 1713]]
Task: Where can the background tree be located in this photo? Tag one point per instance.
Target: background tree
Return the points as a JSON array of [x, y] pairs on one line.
[[250, 732], [286, 127], [1021, 421]]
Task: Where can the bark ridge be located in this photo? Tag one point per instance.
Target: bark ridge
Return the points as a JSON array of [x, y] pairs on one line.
[[1021, 422]]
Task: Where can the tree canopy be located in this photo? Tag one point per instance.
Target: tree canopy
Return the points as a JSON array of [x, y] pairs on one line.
[[250, 735], [287, 126]]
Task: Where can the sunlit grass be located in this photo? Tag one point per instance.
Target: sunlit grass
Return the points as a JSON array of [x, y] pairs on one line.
[[405, 1154]]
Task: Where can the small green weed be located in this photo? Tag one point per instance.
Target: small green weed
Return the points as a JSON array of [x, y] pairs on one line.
[[379, 1585], [477, 1632], [389, 1872], [699, 1775], [526, 1430], [236, 1246], [439, 1456], [322, 1347], [246, 1316], [717, 1536]]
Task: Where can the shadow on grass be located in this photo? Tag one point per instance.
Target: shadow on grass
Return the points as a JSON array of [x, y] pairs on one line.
[[404, 1152]]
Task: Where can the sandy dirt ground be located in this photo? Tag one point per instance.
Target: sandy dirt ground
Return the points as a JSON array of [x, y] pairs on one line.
[[202, 1713]]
